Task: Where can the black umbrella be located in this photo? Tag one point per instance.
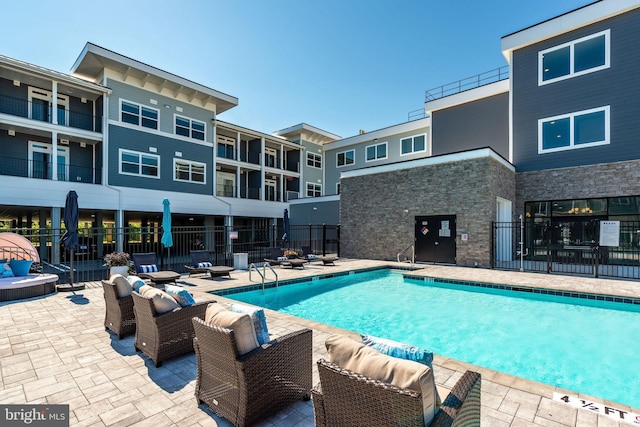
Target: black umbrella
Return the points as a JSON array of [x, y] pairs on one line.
[[70, 238], [287, 227]]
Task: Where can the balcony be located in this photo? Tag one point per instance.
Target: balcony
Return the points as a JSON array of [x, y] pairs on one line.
[[43, 112], [43, 170], [468, 83]]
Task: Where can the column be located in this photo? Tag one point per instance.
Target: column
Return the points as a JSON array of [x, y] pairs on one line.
[[262, 175], [55, 237]]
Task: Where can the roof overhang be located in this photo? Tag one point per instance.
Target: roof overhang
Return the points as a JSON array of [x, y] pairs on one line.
[[308, 133], [94, 59]]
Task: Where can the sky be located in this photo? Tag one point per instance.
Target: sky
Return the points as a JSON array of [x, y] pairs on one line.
[[339, 65]]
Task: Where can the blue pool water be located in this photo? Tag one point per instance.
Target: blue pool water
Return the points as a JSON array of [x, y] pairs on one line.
[[581, 345]]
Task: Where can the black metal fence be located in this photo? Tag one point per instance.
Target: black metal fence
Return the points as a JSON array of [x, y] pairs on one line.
[[221, 242], [556, 248]]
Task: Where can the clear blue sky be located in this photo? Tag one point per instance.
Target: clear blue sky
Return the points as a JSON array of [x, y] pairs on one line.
[[340, 65]]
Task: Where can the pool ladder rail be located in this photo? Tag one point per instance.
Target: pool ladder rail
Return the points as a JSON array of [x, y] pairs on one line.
[[264, 272], [413, 254]]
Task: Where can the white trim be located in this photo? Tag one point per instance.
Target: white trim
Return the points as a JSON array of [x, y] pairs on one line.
[[140, 106], [319, 159], [190, 128], [317, 188], [376, 145], [571, 117], [385, 133], [139, 153], [413, 144], [305, 200], [191, 163], [46, 95], [571, 45], [46, 148], [345, 158]]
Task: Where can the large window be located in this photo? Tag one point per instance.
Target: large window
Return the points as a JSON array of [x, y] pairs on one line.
[[189, 128], [413, 144], [581, 56], [376, 152], [346, 158], [140, 164], [226, 147], [576, 130], [138, 115], [185, 170], [314, 190], [314, 160]]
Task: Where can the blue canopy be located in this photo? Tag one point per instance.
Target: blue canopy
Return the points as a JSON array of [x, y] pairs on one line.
[[167, 238]]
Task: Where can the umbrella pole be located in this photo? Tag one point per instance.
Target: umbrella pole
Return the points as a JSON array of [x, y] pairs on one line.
[[71, 269]]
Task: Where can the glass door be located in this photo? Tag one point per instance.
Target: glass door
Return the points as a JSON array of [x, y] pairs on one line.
[[41, 164]]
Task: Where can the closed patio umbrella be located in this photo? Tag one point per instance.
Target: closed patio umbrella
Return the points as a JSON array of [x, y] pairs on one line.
[[70, 238], [287, 227], [167, 238]]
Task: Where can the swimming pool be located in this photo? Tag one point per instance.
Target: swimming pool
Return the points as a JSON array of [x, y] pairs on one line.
[[584, 345]]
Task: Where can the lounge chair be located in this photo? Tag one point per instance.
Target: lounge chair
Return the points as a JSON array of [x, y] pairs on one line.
[[246, 389], [200, 264], [119, 316], [308, 255], [147, 268], [276, 256], [167, 335]]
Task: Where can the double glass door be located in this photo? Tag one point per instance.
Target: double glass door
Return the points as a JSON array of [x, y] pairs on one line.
[[41, 161]]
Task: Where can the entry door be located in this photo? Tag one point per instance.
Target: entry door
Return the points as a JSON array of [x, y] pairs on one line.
[[436, 239]]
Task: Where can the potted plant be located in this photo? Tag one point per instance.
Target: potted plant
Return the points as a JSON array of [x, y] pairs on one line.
[[290, 254], [118, 263]]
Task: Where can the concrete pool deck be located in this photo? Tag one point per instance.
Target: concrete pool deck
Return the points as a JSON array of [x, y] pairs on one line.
[[54, 350]]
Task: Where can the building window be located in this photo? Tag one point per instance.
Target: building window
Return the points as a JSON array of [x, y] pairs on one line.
[[270, 192], [138, 115], [314, 190], [189, 128], [270, 157], [575, 58], [346, 158], [314, 160], [226, 147], [188, 171], [376, 152], [576, 130], [413, 144], [139, 164]]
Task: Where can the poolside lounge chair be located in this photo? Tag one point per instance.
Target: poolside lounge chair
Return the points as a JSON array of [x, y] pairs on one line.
[[119, 316], [147, 268], [276, 256], [166, 335], [200, 264], [308, 255], [248, 388], [346, 398]]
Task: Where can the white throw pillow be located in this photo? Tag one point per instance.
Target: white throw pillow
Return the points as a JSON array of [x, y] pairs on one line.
[[123, 287]]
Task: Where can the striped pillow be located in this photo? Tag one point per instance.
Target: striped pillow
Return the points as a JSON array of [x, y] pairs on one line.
[[204, 264], [151, 268]]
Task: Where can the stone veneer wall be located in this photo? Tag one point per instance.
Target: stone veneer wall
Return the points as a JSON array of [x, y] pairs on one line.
[[372, 218], [603, 180]]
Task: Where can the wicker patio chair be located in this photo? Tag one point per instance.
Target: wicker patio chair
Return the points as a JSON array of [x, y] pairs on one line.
[[166, 335], [142, 260], [249, 388], [119, 316], [202, 256], [347, 399]]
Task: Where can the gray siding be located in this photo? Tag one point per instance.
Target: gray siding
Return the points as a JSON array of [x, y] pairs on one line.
[[327, 212], [166, 115], [130, 139], [477, 124], [310, 174], [616, 86]]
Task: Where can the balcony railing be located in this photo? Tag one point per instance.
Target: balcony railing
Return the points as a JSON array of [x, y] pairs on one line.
[[44, 170], [469, 83], [250, 157], [44, 112]]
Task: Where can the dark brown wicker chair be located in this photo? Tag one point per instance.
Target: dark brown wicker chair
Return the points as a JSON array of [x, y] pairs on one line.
[[158, 277], [119, 316], [345, 398], [249, 388], [167, 335]]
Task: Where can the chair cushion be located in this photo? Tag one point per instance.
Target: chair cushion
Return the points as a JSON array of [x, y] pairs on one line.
[[20, 267], [364, 360], [240, 323], [281, 258], [151, 268], [162, 301], [204, 264], [123, 287], [258, 318], [310, 256], [181, 295], [7, 271], [136, 282]]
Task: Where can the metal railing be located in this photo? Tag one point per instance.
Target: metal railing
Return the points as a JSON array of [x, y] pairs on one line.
[[468, 83], [413, 254], [263, 275], [44, 112], [44, 170]]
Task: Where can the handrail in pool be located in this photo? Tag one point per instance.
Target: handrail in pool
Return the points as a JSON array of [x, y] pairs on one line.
[[413, 253], [264, 272]]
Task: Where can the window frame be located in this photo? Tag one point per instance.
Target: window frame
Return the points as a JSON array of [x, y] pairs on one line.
[[190, 129], [571, 44], [375, 146], [413, 144], [317, 189], [571, 116], [338, 165], [139, 115], [190, 163], [121, 151], [317, 160]]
